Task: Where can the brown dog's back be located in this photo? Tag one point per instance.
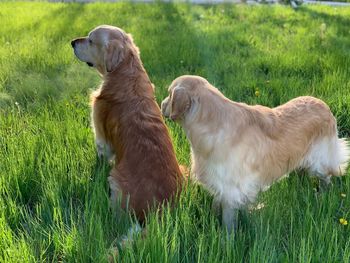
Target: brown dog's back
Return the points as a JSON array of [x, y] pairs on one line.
[[146, 168], [147, 171]]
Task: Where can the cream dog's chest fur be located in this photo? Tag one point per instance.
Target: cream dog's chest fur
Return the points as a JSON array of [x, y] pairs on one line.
[[219, 168]]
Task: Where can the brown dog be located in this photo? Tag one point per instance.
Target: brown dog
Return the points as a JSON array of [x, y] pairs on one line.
[[127, 121]]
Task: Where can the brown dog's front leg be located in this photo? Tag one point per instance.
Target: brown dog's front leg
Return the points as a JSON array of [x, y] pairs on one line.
[[115, 191], [103, 149]]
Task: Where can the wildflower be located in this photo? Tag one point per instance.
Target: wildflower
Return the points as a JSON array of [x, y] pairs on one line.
[[260, 206], [343, 195], [257, 93], [343, 221]]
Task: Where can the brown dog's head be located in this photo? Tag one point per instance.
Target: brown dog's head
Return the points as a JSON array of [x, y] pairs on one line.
[[185, 94], [104, 48]]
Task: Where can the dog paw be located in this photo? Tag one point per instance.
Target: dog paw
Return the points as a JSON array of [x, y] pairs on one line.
[[113, 255], [101, 150]]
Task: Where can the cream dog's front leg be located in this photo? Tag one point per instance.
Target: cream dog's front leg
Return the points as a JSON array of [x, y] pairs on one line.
[[216, 206], [229, 216]]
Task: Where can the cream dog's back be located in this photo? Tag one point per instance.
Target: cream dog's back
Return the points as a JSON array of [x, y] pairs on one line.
[[239, 149], [284, 137]]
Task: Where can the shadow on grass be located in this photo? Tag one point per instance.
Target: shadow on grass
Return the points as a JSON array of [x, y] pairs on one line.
[[42, 74], [340, 22], [336, 46], [57, 24]]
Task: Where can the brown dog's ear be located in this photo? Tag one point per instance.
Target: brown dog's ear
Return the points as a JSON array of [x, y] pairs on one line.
[[114, 55], [180, 103], [130, 39]]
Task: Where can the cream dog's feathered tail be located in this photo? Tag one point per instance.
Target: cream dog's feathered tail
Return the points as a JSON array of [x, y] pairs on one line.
[[339, 154]]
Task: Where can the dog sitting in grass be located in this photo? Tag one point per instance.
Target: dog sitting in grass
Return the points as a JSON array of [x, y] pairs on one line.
[[238, 150], [127, 122]]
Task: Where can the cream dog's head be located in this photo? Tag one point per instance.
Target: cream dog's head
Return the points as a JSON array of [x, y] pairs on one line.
[[186, 94], [104, 48]]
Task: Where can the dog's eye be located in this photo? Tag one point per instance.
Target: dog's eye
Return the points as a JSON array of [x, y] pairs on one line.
[[90, 41]]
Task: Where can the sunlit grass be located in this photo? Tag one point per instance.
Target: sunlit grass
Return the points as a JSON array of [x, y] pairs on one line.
[[53, 189]]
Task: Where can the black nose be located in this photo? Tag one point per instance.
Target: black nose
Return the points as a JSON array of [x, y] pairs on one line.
[[72, 43]]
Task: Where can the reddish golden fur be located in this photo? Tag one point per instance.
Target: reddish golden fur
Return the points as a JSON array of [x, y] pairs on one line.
[[127, 119]]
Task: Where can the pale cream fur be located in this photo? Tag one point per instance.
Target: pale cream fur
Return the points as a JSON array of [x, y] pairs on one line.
[[238, 149]]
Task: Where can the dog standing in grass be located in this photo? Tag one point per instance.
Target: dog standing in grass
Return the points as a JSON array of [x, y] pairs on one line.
[[238, 150], [127, 122]]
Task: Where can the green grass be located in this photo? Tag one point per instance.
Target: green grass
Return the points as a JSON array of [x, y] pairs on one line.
[[53, 189]]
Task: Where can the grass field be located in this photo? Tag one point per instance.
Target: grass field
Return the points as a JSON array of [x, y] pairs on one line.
[[53, 189]]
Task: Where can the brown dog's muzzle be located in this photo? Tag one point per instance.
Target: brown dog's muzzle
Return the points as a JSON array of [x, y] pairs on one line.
[[76, 40]]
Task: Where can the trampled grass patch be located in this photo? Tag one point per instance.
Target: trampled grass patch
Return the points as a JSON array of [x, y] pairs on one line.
[[53, 189]]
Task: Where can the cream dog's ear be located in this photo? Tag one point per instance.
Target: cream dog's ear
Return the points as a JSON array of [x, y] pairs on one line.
[[180, 103], [114, 55]]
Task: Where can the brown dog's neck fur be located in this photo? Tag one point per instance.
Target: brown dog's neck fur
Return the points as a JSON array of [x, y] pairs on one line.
[[129, 72]]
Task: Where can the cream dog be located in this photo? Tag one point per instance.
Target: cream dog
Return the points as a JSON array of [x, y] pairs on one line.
[[238, 150]]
